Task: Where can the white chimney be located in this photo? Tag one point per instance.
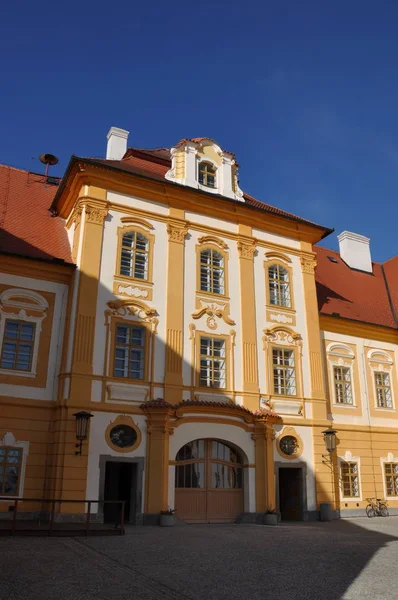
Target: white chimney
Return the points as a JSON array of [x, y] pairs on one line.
[[355, 251], [117, 143]]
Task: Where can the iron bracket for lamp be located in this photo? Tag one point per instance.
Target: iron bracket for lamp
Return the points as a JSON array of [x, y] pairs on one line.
[[80, 448], [327, 460]]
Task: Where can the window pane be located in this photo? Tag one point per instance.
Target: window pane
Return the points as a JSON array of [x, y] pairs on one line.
[[27, 331], [11, 481], [11, 329]]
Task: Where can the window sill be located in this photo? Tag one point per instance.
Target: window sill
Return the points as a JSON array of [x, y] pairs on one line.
[[349, 406], [385, 409], [213, 295], [208, 188], [16, 373], [287, 309], [351, 499], [126, 279]]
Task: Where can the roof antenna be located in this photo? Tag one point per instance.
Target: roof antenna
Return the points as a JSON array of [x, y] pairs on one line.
[[48, 159]]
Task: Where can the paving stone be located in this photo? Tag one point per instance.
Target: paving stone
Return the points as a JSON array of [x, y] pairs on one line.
[[348, 559]]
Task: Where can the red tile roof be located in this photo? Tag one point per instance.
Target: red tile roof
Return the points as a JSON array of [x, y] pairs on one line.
[[356, 295], [160, 403], [155, 164], [27, 227]]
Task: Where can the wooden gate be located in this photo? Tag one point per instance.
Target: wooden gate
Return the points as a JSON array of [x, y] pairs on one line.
[[208, 482]]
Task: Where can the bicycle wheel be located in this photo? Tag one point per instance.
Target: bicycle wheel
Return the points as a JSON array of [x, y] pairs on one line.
[[370, 511], [383, 510]]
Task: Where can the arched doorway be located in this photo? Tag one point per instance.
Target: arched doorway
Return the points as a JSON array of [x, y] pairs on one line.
[[208, 482]]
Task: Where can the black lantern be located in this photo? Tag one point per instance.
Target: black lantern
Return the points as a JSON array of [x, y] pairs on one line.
[[329, 436], [82, 421]]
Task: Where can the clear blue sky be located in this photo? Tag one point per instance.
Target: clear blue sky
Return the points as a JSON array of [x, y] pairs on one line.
[[304, 92]]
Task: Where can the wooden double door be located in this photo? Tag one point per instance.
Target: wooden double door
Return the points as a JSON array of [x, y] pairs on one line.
[[208, 482]]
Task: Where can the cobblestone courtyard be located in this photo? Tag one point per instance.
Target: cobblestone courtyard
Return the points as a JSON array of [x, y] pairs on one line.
[[353, 559]]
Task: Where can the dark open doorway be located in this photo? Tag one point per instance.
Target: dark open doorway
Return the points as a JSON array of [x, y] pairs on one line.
[[119, 485], [291, 493]]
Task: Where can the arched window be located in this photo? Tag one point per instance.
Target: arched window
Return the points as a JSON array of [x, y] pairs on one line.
[[212, 271], [279, 286], [208, 464], [207, 174], [134, 255]]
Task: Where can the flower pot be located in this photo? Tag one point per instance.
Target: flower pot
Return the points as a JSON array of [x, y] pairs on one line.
[[271, 519], [166, 520]]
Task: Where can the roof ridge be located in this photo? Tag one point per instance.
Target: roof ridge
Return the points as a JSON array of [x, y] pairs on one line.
[[5, 166]]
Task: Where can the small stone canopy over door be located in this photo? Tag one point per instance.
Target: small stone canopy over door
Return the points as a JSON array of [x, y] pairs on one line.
[[208, 482]]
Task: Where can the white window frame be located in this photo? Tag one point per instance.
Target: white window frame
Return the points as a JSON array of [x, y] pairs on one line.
[[15, 310], [348, 457], [10, 440], [339, 359], [390, 458], [384, 366], [218, 168]]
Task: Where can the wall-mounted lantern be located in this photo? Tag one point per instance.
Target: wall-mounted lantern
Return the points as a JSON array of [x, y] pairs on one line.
[[82, 420], [329, 436]]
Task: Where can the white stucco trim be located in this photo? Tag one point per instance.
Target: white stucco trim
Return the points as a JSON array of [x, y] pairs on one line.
[[348, 457], [10, 440], [390, 458]]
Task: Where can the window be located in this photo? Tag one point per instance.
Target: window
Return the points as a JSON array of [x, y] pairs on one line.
[[212, 363], [18, 341], [383, 390], [10, 470], [391, 475], [134, 255], [208, 464], [279, 286], [284, 372], [129, 352], [207, 174], [350, 479], [342, 385], [212, 273]]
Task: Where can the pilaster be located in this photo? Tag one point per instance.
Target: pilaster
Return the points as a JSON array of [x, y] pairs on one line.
[[94, 210], [157, 460], [263, 437], [247, 249], [308, 264], [177, 230]]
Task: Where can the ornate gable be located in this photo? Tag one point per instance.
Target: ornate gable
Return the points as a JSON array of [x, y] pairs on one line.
[[201, 163]]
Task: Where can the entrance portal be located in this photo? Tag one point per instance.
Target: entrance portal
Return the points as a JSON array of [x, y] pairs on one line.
[[118, 486], [208, 482], [291, 493]]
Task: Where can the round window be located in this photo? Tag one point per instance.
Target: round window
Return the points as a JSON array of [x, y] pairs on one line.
[[289, 445], [123, 436]]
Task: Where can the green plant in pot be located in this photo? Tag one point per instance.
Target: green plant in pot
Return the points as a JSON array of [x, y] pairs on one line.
[[167, 517], [271, 517]]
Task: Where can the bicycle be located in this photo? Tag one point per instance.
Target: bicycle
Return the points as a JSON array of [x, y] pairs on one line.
[[377, 507]]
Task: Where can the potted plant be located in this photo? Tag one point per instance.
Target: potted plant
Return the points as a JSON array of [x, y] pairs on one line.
[[271, 517], [167, 517]]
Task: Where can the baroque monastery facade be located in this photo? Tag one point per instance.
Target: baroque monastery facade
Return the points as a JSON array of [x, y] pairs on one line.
[[207, 334]]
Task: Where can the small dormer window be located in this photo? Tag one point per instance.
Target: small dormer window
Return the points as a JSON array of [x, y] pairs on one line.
[[207, 174]]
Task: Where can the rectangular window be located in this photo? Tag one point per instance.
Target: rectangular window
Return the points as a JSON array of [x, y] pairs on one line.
[[134, 255], [212, 363], [342, 385], [284, 372], [383, 390], [350, 479], [391, 475], [129, 352], [10, 470], [212, 271], [17, 349]]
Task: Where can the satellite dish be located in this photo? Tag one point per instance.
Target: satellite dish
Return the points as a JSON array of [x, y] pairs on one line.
[[48, 159]]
